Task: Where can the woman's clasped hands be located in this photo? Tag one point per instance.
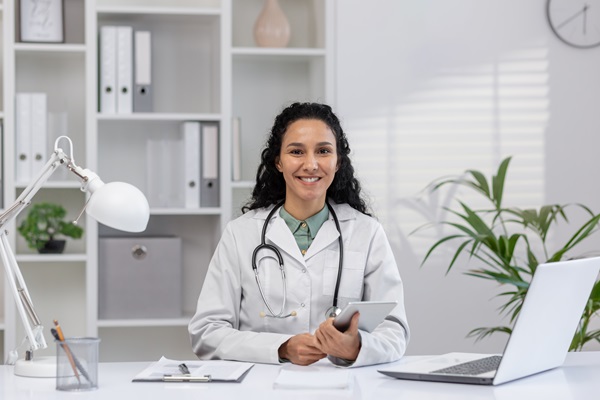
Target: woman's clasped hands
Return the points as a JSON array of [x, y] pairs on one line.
[[305, 349]]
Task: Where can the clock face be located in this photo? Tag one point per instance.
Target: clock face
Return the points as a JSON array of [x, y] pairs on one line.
[[575, 22]]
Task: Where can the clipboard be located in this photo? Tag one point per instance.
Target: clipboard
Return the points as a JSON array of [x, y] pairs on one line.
[[195, 371]]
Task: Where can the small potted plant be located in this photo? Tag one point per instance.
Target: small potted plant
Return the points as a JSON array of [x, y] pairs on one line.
[[43, 223]]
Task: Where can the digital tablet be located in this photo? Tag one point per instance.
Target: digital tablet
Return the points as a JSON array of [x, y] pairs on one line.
[[371, 314]]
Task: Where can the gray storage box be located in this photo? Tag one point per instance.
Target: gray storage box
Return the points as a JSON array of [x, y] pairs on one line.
[[139, 277]]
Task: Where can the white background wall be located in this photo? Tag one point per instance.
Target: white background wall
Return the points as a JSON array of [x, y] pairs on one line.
[[392, 56]]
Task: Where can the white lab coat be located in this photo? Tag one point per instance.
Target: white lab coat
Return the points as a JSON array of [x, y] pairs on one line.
[[227, 324]]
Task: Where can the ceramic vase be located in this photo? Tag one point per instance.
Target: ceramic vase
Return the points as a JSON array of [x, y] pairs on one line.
[[272, 28]]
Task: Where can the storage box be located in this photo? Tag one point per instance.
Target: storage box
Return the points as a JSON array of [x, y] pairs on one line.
[[139, 277]]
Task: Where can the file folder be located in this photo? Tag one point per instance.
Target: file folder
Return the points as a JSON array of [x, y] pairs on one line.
[[236, 153], [142, 91], [124, 69], [210, 187], [39, 131], [108, 69], [191, 144], [23, 165]]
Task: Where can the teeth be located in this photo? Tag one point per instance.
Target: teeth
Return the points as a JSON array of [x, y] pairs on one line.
[[310, 179]]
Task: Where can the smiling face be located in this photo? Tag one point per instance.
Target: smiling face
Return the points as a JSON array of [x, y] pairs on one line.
[[308, 161]]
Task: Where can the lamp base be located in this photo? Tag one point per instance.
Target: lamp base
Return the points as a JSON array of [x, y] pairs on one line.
[[38, 367]]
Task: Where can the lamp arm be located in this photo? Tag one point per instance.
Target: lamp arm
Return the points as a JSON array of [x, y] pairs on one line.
[[31, 322]]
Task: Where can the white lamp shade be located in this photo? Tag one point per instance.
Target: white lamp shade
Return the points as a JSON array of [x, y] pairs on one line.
[[119, 205]]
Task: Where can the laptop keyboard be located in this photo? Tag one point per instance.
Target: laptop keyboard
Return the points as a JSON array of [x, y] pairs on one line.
[[474, 367]]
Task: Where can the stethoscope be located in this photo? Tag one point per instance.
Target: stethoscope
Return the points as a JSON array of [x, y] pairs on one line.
[[332, 311]]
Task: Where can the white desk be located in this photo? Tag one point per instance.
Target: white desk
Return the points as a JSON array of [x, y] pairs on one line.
[[578, 379]]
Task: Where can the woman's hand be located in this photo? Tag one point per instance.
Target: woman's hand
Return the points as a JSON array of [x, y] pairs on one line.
[[345, 345], [301, 349]]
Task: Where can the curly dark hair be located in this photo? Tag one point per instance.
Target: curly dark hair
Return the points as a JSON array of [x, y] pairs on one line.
[[270, 184]]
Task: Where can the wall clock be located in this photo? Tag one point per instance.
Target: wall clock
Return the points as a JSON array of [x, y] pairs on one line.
[[575, 22]]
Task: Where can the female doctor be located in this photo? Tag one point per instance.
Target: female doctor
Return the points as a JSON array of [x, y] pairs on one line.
[[267, 302]]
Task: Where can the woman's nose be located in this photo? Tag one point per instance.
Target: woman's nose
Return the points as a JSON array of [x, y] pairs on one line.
[[310, 163]]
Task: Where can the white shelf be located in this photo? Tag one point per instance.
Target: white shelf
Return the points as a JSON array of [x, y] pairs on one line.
[[50, 258], [185, 211], [132, 322], [277, 52], [50, 48], [242, 184], [53, 185], [158, 117], [158, 10]]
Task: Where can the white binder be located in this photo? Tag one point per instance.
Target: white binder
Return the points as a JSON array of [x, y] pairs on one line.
[[210, 187], [124, 69], [236, 151], [39, 132], [142, 88], [191, 148], [23, 137], [108, 69]]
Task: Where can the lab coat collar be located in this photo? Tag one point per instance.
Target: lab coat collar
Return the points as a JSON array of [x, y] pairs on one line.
[[280, 235]]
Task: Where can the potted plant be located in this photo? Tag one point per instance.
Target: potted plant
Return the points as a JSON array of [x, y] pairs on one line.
[[44, 222], [510, 242]]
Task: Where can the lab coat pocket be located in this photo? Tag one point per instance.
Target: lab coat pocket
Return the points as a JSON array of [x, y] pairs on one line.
[[353, 271]]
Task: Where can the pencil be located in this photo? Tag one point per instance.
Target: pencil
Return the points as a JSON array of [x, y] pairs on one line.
[[66, 348]]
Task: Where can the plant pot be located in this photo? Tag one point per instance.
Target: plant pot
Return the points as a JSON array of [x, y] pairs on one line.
[[53, 247]]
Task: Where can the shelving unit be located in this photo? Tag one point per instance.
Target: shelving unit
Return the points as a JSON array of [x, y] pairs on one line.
[[206, 68]]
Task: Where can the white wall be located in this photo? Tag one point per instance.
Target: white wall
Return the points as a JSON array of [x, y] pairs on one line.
[[391, 54]]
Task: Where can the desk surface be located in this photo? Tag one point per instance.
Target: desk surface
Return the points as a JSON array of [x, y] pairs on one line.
[[578, 378]]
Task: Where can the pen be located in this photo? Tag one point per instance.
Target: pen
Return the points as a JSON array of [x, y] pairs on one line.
[[61, 338]]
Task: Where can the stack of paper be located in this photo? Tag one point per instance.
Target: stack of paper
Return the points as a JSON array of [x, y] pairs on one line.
[[312, 377]]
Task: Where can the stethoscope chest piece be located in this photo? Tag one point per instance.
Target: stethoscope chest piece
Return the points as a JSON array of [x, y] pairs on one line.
[[332, 312]]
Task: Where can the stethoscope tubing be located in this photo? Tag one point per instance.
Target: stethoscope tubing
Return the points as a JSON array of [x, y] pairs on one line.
[[332, 311]]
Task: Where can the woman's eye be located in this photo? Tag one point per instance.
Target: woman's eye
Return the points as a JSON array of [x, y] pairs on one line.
[[325, 151], [296, 151]]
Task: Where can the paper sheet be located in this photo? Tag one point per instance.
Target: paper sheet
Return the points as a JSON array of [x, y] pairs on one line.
[[312, 377]]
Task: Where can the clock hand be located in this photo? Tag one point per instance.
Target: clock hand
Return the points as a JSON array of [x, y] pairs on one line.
[[571, 18], [585, 8]]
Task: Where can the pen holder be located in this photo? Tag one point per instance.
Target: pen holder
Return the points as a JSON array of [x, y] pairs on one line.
[[77, 364]]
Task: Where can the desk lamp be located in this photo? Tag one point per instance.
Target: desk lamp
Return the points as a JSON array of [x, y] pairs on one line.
[[118, 205]]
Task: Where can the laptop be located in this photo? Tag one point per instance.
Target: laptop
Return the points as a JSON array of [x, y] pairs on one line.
[[540, 339]]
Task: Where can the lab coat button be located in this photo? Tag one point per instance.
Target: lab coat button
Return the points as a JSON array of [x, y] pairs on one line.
[[303, 270], [301, 304]]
